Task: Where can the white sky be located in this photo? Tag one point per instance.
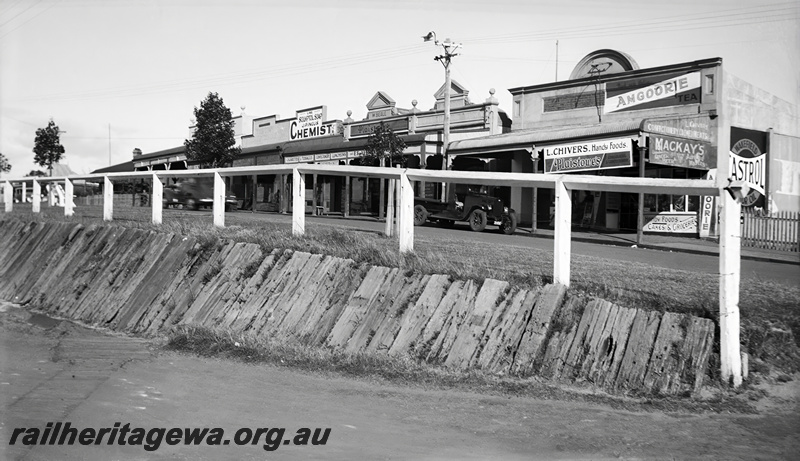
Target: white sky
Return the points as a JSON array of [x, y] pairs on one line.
[[142, 66]]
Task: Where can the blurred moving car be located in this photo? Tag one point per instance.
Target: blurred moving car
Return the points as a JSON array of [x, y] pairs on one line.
[[471, 204], [194, 193]]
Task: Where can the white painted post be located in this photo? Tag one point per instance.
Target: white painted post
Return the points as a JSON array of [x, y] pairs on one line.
[[156, 204], [69, 204], [8, 196], [51, 194], [36, 197], [405, 215], [389, 226], [108, 199], [729, 274], [219, 200], [563, 229], [298, 203], [24, 192]]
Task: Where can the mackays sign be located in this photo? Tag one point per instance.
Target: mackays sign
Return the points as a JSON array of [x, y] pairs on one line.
[[651, 92]]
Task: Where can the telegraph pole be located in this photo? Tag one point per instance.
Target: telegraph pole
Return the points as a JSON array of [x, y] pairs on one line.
[[450, 49]]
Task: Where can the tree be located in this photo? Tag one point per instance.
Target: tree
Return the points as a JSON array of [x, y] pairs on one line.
[[383, 144], [5, 167], [47, 146], [35, 173], [213, 143]]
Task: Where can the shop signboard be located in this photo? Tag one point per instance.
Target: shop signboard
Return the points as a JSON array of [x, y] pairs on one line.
[[299, 159], [366, 129], [707, 210], [671, 222], [651, 92], [748, 163], [587, 156], [309, 124], [682, 153]]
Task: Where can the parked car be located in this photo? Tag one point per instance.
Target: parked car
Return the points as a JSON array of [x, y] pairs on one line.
[[471, 204], [194, 193]]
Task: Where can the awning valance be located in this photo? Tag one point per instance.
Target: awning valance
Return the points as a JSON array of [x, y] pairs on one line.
[[526, 139]]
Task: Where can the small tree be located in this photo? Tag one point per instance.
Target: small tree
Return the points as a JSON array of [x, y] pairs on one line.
[[47, 146], [5, 167], [213, 143], [383, 144], [36, 173]]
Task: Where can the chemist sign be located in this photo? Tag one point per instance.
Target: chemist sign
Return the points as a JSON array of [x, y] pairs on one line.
[[587, 156], [308, 124]]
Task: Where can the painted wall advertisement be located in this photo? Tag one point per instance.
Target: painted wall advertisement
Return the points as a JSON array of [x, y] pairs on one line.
[[587, 156], [308, 124], [647, 93], [673, 223], [684, 142], [748, 163], [707, 209]]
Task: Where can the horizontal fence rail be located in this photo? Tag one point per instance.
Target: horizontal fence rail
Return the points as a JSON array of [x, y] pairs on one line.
[[729, 227], [775, 231]]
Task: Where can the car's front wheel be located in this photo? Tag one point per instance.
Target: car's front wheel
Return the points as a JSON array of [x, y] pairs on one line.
[[509, 223], [420, 215], [477, 220]]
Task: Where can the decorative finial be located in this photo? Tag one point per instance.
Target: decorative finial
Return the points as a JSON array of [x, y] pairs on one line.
[[491, 91], [349, 113], [414, 103]]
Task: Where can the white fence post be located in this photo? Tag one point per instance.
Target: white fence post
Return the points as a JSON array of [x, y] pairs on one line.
[[729, 275], [405, 215], [108, 199], [219, 200], [158, 197], [24, 192], [69, 204], [298, 202], [8, 196], [563, 230], [36, 197], [389, 227]]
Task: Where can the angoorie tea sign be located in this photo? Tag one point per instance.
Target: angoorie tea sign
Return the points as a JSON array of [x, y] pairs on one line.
[[586, 156]]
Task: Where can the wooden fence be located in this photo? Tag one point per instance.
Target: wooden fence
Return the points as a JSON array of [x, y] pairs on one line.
[[776, 231]]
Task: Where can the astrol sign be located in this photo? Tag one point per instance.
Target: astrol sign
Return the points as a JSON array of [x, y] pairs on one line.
[[748, 163], [591, 155], [645, 93]]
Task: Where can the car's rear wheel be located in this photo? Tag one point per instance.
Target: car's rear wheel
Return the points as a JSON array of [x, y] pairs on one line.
[[420, 215], [509, 224], [477, 220]]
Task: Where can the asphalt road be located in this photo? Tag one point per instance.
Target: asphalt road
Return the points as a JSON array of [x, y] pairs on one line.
[[58, 372], [786, 274]]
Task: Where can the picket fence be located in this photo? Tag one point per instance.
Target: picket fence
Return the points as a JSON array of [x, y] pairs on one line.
[[776, 231]]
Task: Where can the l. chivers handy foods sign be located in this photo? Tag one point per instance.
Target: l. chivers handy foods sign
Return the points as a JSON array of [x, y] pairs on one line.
[[590, 155]]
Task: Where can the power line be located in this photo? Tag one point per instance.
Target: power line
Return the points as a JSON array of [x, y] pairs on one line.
[[674, 23]]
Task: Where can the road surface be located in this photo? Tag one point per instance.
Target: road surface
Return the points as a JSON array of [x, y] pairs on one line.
[[54, 371]]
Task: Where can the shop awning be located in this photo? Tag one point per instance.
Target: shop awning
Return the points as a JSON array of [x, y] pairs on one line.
[[526, 139], [337, 143]]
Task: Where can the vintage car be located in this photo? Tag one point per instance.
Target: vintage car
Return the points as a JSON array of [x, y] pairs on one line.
[[194, 193], [472, 204]]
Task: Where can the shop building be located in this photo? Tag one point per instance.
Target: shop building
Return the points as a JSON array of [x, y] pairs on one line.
[[687, 120]]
